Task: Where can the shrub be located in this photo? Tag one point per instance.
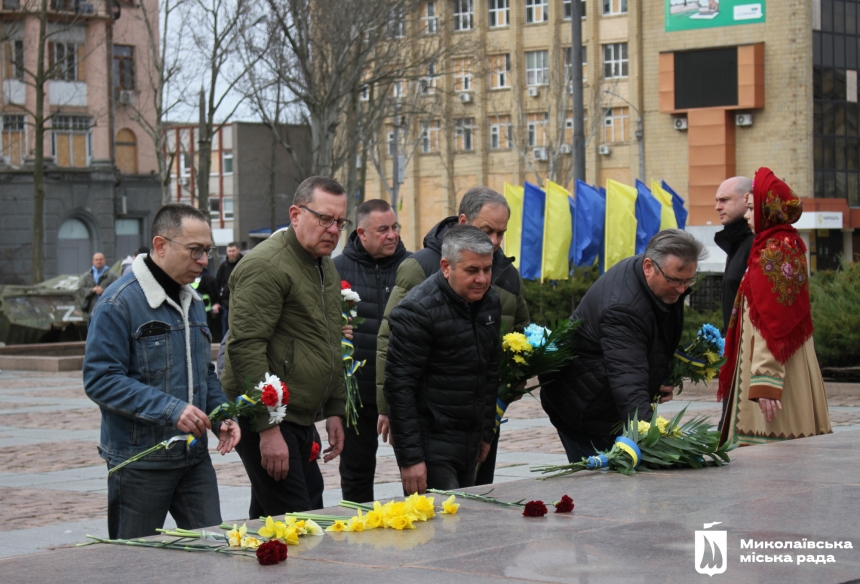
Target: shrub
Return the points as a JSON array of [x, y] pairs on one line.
[[836, 315]]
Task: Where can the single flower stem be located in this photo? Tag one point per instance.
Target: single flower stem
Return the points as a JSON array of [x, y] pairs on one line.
[[482, 497]]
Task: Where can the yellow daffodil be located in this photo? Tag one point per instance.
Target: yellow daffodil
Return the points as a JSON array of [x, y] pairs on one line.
[[516, 342], [401, 522], [250, 542], [449, 507], [337, 526], [392, 510], [374, 518], [519, 359], [273, 529], [291, 536], [298, 524], [644, 427], [355, 523], [235, 535], [313, 527], [420, 506]]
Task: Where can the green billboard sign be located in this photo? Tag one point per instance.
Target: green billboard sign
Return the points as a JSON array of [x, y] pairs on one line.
[[695, 14]]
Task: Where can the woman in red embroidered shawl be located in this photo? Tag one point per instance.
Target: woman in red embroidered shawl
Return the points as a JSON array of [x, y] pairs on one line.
[[772, 377]]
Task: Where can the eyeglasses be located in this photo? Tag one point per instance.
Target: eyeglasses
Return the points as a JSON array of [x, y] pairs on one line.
[[676, 281], [328, 220], [197, 252]]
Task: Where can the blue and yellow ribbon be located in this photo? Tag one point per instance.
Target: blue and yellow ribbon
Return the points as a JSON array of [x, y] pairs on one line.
[[598, 461], [501, 407], [631, 448], [682, 356]]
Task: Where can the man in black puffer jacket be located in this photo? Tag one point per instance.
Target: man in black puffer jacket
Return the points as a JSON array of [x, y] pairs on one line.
[[442, 370], [369, 263], [633, 317]]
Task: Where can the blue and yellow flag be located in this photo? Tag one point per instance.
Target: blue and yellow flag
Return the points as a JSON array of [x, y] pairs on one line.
[[557, 232], [620, 222], [667, 213], [678, 204], [589, 224], [534, 203], [514, 234], [648, 216]]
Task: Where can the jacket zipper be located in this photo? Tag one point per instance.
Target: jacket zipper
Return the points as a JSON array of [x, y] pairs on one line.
[[328, 336]]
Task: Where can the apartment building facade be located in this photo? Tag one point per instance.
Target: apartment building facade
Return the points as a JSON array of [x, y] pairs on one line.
[[690, 91], [100, 164]]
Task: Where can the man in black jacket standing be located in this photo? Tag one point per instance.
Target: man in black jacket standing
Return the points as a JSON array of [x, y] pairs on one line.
[[632, 322], [736, 240], [369, 263], [442, 369], [222, 278]]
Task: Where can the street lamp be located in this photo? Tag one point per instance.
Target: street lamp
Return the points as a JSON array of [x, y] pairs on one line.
[[638, 134]]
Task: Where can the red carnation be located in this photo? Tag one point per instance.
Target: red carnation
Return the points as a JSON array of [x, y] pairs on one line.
[[565, 505], [344, 285], [269, 397], [315, 451], [534, 509], [286, 399], [271, 552]]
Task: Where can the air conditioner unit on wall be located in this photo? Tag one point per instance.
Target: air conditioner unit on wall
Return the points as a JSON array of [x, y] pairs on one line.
[[564, 148], [534, 92], [125, 97], [604, 150], [680, 124], [465, 97], [539, 153], [744, 120]]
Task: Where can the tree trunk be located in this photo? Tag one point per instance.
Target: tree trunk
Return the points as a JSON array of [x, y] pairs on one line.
[[273, 222], [352, 157], [38, 260], [204, 163]]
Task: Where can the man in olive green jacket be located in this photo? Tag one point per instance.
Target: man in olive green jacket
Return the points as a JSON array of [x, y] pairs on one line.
[[488, 211], [285, 319]]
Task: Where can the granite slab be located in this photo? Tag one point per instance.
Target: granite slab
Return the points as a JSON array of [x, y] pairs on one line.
[[623, 530]]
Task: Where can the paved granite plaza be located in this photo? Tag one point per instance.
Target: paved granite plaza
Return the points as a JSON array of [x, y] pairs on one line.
[[53, 488]]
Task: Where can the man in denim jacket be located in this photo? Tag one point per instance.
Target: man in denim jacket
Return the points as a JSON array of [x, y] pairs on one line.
[[148, 367]]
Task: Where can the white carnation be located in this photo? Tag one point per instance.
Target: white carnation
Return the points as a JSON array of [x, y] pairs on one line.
[[350, 296]]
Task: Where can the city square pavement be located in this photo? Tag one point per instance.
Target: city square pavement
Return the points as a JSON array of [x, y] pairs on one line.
[[53, 487]]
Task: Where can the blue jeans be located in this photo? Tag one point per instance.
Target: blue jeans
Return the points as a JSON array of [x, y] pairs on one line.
[[139, 499], [578, 446]]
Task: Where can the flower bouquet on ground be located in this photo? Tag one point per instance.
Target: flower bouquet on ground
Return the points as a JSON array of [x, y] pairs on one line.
[[270, 396], [349, 313], [535, 351], [700, 360], [660, 444]]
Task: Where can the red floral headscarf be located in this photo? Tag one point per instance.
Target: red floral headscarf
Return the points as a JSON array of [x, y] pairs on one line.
[[775, 286]]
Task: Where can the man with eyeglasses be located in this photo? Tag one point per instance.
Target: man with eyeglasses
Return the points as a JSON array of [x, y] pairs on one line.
[[285, 319], [632, 317], [369, 263], [148, 367]]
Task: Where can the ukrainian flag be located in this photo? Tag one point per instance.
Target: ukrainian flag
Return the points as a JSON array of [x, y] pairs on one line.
[[667, 213], [534, 202], [620, 222], [557, 233], [514, 234]]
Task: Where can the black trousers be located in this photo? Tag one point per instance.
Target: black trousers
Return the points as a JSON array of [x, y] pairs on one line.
[[487, 469], [358, 459], [268, 496], [446, 475], [578, 446]]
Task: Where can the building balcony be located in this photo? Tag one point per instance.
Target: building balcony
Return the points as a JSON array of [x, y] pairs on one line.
[[14, 92], [70, 9], [68, 93]]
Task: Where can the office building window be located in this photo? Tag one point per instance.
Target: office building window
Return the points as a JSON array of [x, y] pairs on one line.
[[615, 60], [567, 7], [500, 71], [430, 136], [536, 129], [536, 11], [500, 132], [611, 7], [616, 125], [500, 13], [123, 67], [537, 67], [429, 20], [464, 133], [71, 140], [463, 74], [462, 13]]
